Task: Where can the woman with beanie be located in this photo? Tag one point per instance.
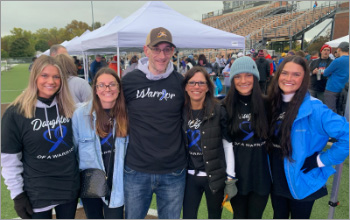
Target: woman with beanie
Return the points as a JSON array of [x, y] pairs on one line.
[[205, 129], [38, 160], [248, 129], [300, 127], [100, 133]]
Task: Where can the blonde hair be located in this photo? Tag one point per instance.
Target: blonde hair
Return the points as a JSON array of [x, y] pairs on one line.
[[26, 101], [67, 65]]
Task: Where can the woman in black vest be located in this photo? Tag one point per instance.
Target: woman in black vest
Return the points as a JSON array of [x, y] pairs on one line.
[[204, 126], [248, 128]]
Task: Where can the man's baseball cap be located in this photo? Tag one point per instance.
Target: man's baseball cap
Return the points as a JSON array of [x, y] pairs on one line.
[[159, 35], [344, 46]]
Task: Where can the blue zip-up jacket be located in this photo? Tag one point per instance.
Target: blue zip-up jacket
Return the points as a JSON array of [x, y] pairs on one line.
[[88, 147], [311, 129], [337, 73]]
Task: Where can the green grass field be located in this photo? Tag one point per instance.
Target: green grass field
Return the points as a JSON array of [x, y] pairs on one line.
[[15, 80]]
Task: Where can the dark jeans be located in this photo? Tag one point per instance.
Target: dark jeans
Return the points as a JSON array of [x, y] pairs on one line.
[[249, 206], [283, 208], [97, 209], [195, 186], [331, 100], [63, 211], [317, 95]]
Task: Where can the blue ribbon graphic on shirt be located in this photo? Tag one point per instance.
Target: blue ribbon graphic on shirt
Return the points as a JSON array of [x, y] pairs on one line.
[[105, 140], [58, 137], [277, 127], [164, 93], [193, 137], [249, 133]]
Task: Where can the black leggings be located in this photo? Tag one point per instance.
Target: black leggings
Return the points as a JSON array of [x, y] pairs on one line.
[[97, 209], [195, 186], [249, 206], [283, 207], [63, 211]]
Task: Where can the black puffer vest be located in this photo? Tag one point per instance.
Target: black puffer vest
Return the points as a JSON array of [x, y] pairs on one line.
[[213, 151]]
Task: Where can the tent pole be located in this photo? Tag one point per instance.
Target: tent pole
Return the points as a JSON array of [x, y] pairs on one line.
[[333, 202], [85, 67], [118, 64], [178, 62]]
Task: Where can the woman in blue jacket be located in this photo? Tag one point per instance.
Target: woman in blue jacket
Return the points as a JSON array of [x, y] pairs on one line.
[[100, 130], [300, 127]]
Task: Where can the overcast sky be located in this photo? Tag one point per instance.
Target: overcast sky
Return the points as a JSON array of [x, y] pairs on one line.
[[33, 15]]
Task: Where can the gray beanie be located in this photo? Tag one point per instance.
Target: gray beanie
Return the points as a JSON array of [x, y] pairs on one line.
[[244, 65]]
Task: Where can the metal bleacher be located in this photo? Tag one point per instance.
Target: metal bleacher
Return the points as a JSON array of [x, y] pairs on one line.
[[271, 21]]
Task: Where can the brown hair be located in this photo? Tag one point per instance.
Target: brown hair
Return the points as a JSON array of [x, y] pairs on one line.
[[67, 64], [209, 96], [118, 111], [275, 101]]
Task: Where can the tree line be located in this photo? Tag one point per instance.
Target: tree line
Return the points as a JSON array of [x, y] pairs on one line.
[[23, 43]]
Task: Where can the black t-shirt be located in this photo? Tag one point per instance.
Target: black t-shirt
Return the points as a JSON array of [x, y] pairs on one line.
[[280, 185], [193, 128], [108, 151], [155, 118], [319, 85], [50, 168], [251, 160]]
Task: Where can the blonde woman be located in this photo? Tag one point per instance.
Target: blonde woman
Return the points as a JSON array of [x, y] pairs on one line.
[[37, 154]]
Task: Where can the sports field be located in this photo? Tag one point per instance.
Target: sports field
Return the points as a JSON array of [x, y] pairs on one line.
[[14, 81]]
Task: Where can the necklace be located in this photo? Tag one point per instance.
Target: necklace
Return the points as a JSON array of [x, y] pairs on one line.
[[243, 102], [198, 114]]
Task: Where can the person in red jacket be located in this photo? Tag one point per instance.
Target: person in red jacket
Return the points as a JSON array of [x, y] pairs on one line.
[[114, 65], [269, 58]]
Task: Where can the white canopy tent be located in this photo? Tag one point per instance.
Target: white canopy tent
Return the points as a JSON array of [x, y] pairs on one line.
[[336, 42], [74, 46], [111, 25], [130, 34], [47, 52]]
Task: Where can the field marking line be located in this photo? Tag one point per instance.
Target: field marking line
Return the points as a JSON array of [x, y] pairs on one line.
[[152, 212]]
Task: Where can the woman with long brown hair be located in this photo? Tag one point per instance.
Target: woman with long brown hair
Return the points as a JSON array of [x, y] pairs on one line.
[[101, 136], [300, 127]]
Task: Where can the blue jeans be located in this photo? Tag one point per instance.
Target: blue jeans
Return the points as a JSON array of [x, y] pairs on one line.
[[139, 188]]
